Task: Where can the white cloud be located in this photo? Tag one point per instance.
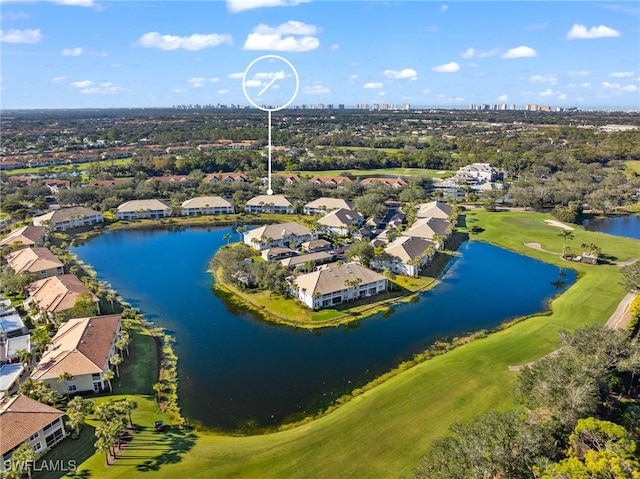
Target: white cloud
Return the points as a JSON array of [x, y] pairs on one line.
[[630, 88], [580, 32], [617, 88], [20, 36], [335, 47], [520, 52], [214, 80], [236, 76], [253, 83], [503, 98], [223, 92], [444, 8], [75, 3], [105, 88], [426, 91], [196, 82], [621, 74], [373, 85], [71, 52], [317, 89], [550, 78], [472, 52], [59, 79], [547, 92], [82, 84], [447, 68], [354, 76], [14, 16], [235, 6], [265, 37], [406, 73], [178, 90], [579, 73], [585, 85], [194, 42]]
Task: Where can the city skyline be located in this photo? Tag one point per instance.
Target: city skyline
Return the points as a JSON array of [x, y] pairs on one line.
[[90, 54]]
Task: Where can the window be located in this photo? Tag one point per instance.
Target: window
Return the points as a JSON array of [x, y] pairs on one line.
[[72, 388], [55, 437], [37, 446], [96, 376], [33, 436]]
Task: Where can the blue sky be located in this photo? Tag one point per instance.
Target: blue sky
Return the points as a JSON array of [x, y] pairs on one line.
[[88, 53]]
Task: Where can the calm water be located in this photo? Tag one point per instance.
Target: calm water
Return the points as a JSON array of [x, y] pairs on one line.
[[628, 226], [235, 369]]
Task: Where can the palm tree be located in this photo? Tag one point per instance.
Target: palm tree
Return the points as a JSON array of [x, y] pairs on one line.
[[40, 338], [24, 457], [77, 410], [566, 236], [227, 237], [63, 378], [25, 357], [158, 388], [111, 296], [108, 375], [116, 360]]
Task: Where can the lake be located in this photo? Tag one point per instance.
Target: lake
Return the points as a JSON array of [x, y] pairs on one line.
[[628, 226], [236, 370]]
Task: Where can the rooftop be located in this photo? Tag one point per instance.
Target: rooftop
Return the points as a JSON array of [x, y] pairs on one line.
[[332, 279]]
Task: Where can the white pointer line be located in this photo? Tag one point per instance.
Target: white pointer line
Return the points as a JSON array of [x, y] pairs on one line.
[[279, 75]]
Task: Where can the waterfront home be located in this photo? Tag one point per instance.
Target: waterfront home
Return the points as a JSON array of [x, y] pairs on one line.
[[476, 173], [38, 261], [337, 284], [283, 235], [57, 293], [82, 347], [143, 209], [435, 229], [269, 204], [29, 236], [25, 420], [341, 222], [407, 255], [434, 209], [67, 218], [277, 253], [206, 205], [312, 259], [325, 204]]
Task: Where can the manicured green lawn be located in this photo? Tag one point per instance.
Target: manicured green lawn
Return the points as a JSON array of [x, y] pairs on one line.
[[384, 432], [633, 165]]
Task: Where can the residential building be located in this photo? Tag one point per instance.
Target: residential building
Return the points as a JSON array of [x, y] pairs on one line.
[[407, 255], [29, 236], [38, 261], [14, 335], [82, 347], [168, 179], [11, 376], [337, 284], [478, 173], [434, 209], [226, 177], [325, 204], [206, 205], [54, 185], [68, 218], [57, 293], [278, 235], [269, 204], [341, 222], [316, 245], [435, 229], [144, 209], [331, 180], [316, 258], [277, 253], [25, 420], [288, 179], [392, 182]]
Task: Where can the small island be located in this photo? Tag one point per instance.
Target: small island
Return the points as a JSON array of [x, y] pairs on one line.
[[331, 266]]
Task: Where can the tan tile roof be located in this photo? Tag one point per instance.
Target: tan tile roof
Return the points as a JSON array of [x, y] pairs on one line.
[[434, 209], [340, 218], [58, 293], [278, 231], [32, 260], [206, 202], [407, 248], [81, 346], [275, 200], [327, 204], [27, 235], [331, 280], [428, 227], [66, 214], [20, 417], [135, 206]]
